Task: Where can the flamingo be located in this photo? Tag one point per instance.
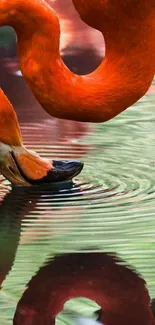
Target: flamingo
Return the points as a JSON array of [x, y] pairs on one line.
[[24, 167], [123, 77], [102, 277]]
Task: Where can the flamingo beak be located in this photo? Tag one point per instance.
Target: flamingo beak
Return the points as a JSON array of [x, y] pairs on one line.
[[23, 167]]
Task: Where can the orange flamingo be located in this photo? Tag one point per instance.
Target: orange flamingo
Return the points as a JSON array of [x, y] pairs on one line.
[[124, 75], [23, 167], [102, 277]]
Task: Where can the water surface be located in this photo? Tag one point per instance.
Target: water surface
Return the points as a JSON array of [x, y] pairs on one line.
[[111, 205]]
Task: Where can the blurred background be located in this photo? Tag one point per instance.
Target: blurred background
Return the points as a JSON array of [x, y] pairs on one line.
[[112, 204]]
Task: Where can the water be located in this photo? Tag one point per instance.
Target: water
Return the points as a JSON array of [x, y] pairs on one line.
[[110, 206]]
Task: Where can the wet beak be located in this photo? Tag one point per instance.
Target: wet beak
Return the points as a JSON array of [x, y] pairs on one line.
[[25, 168]]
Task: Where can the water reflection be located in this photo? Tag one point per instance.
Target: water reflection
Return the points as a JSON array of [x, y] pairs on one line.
[[108, 206], [10, 227], [21, 202], [101, 277]]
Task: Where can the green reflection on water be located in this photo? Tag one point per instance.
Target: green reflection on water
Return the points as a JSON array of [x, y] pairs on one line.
[[122, 221]]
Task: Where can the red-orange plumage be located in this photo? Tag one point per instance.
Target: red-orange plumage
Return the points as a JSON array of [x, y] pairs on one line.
[[9, 127], [124, 75], [21, 166]]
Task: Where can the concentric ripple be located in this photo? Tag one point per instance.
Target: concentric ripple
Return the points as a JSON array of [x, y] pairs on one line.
[[110, 206]]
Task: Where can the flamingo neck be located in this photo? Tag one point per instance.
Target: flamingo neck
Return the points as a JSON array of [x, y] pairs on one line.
[[29, 18], [9, 128], [123, 77]]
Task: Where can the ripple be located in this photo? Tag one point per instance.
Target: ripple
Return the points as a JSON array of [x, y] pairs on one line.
[[110, 205]]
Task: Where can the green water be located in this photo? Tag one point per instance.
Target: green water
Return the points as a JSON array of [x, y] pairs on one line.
[[111, 207]]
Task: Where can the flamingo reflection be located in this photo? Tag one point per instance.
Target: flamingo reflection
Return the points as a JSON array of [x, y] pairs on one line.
[[104, 278]]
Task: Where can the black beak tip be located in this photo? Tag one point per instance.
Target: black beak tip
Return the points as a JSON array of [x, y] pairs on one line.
[[62, 170], [70, 168]]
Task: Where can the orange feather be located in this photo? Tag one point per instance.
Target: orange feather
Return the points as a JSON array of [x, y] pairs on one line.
[[9, 127], [124, 75]]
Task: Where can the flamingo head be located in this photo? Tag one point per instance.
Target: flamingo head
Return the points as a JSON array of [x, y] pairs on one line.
[[24, 167]]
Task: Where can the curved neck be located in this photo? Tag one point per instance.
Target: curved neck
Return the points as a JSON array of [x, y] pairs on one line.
[[124, 76], [120, 292], [9, 128], [29, 18]]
